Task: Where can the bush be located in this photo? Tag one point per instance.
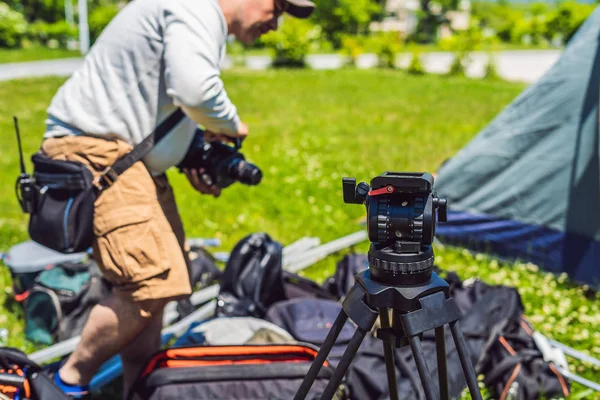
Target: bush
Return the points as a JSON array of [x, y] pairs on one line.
[[292, 42], [338, 18], [58, 32], [386, 46], [99, 18], [13, 27], [352, 48], [416, 67], [491, 71], [458, 66]]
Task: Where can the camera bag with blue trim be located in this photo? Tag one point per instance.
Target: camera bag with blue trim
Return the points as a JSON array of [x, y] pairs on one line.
[[60, 195]]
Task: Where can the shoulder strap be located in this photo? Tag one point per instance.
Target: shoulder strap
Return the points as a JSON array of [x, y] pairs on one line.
[[110, 175]]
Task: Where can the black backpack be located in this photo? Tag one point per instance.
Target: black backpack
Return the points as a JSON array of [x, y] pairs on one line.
[[346, 269], [60, 300], [252, 279]]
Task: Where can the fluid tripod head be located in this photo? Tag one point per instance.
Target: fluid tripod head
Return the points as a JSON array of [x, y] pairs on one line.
[[401, 216]]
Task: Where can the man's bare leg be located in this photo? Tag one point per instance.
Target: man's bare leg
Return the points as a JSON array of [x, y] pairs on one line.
[[136, 353], [111, 326]]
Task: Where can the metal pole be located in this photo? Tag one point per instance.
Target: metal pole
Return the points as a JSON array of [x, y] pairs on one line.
[[84, 31]]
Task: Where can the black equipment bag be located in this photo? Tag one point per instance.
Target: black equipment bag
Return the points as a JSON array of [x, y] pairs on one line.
[[515, 368], [60, 195], [252, 279], [256, 372], [23, 379], [296, 286], [309, 320], [346, 269]]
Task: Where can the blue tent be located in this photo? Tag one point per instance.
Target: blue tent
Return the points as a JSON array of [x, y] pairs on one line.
[[527, 187]]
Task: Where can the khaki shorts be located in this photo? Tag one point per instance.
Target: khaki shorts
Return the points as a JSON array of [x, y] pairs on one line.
[[139, 238]]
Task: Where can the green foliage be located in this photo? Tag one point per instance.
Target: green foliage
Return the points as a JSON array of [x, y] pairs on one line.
[[491, 71], [13, 27], [463, 44], [99, 18], [338, 18], [386, 46], [292, 42], [566, 19], [60, 32], [432, 14], [416, 67], [352, 48], [45, 10], [532, 23], [529, 31], [459, 65]]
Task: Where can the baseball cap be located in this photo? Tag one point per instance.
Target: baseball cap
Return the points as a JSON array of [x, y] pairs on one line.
[[299, 8]]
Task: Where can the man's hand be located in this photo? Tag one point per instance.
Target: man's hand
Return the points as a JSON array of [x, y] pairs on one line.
[[222, 137], [194, 176]]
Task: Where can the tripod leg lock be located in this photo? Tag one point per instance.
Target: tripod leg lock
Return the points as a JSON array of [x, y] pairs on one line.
[[357, 310]]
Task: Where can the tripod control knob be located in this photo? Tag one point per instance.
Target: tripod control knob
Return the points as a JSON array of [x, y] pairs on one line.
[[362, 189]]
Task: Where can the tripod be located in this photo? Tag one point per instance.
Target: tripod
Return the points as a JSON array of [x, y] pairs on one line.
[[415, 309]]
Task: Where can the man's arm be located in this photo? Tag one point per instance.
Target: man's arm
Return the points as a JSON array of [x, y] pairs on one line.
[[195, 32]]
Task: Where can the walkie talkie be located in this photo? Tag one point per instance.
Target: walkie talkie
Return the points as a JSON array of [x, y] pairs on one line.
[[25, 185]]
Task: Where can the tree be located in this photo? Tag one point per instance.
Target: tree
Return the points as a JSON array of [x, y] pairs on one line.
[[341, 17], [431, 16]]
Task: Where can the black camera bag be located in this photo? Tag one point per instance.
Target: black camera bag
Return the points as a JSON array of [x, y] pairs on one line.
[[64, 192], [230, 372], [63, 214]]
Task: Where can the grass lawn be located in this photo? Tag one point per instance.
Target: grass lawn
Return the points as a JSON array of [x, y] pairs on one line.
[[308, 130], [34, 54]]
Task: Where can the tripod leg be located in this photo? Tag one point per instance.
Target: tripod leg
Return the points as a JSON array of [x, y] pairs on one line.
[[334, 332], [417, 350], [465, 361], [344, 363], [440, 344], [388, 351]]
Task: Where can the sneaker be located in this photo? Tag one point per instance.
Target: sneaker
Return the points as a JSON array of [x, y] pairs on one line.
[[73, 391]]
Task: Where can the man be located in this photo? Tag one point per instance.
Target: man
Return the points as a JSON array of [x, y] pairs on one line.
[[155, 56]]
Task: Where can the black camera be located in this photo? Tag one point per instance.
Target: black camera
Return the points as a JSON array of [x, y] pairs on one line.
[[401, 218], [223, 164]]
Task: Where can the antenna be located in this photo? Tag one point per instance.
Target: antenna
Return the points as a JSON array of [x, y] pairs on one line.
[[19, 143]]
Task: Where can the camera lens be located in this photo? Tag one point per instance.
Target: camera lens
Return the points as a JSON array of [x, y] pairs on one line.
[[245, 172]]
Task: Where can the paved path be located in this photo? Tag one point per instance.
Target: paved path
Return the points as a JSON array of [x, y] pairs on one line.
[[519, 65], [61, 67]]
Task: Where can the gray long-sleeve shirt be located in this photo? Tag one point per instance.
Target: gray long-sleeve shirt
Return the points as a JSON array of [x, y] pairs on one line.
[[154, 56]]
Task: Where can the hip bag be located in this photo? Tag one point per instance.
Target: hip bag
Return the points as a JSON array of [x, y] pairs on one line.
[[59, 196]]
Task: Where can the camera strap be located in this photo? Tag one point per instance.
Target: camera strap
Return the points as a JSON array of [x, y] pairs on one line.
[[110, 175]]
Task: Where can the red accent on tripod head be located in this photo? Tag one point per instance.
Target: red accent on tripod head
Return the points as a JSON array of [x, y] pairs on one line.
[[384, 190]]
